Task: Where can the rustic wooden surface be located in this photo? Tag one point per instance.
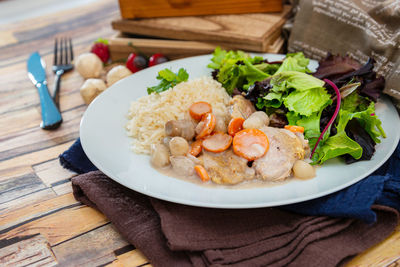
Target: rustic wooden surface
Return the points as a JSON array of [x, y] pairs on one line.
[[228, 30], [172, 8], [40, 221]]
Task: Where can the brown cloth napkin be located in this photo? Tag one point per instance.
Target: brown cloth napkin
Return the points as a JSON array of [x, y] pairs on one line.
[[170, 234]]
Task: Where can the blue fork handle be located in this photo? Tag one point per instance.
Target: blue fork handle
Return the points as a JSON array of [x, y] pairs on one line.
[[51, 117]]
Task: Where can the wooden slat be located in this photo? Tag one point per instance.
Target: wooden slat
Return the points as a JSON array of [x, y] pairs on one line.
[[19, 186], [384, 253], [132, 258], [63, 188], [31, 199], [51, 172], [23, 164], [162, 8], [247, 32], [60, 226], [93, 248], [31, 252], [36, 210]]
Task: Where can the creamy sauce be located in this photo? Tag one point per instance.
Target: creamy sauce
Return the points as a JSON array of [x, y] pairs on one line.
[[256, 183]]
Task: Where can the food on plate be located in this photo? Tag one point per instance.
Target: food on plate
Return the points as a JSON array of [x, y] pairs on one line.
[[295, 97], [168, 79], [92, 88], [89, 65], [257, 120], [149, 114], [117, 73]]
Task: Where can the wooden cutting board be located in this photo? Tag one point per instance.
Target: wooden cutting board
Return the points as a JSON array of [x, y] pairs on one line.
[[121, 45], [251, 32]]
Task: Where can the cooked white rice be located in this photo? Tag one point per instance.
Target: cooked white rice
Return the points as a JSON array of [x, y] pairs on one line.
[[148, 114]]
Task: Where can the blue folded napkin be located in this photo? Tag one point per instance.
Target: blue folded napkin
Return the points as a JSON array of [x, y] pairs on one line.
[[381, 187]]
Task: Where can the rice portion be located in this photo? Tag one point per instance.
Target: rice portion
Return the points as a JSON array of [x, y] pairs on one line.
[[148, 114]]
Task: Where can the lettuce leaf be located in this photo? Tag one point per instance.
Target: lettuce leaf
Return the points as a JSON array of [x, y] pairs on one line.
[[306, 102], [294, 62], [294, 79]]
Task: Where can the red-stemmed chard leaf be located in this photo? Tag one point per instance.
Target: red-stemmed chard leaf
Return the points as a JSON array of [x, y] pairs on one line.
[[334, 114]]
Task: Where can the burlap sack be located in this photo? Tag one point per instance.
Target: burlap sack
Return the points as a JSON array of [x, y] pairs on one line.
[[359, 28]]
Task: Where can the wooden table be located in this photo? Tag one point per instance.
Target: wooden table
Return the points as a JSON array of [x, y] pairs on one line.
[[40, 221]]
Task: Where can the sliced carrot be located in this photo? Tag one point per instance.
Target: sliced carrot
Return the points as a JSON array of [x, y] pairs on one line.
[[195, 147], [250, 144], [235, 125], [198, 109], [202, 173], [295, 128], [208, 122], [217, 142]]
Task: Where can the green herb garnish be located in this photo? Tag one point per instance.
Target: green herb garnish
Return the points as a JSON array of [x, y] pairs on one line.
[[168, 79]]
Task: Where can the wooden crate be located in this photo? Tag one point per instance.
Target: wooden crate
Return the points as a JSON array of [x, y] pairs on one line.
[[121, 45], [251, 32], [176, 8]]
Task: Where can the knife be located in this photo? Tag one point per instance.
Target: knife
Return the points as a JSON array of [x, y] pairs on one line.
[[51, 117]]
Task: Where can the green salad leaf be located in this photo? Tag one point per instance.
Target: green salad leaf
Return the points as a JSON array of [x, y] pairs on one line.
[[340, 143], [294, 62], [168, 79]]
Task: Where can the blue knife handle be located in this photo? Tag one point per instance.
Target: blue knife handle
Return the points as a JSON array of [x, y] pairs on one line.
[[51, 117]]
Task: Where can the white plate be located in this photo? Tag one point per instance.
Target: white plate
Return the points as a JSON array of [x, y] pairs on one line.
[[105, 142]]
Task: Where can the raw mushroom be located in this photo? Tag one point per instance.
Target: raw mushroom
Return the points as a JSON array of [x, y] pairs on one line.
[[89, 65], [92, 88], [117, 73]]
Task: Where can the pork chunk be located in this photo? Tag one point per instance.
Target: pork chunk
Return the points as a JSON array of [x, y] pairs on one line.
[[284, 149], [226, 167], [241, 107]]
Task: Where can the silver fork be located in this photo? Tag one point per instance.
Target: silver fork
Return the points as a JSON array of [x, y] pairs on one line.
[[63, 56]]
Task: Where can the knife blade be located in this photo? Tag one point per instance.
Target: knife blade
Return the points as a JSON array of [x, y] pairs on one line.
[[51, 116]]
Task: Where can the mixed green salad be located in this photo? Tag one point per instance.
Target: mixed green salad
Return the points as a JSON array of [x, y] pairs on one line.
[[338, 114]]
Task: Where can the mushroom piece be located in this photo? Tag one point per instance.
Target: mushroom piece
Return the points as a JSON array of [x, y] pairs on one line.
[[89, 65], [183, 128], [92, 88], [159, 156], [117, 73], [178, 146]]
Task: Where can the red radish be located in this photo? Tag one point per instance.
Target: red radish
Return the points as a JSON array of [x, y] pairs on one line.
[[136, 62], [157, 59]]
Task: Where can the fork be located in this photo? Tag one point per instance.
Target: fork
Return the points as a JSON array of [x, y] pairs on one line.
[[63, 56]]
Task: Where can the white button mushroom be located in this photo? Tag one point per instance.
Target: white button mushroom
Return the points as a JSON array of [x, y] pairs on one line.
[[89, 65], [92, 88], [178, 146], [117, 73], [256, 120]]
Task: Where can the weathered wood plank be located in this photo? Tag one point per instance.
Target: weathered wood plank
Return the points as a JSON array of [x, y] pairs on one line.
[[132, 258], [60, 226], [21, 165], [36, 210], [19, 186], [36, 138], [51, 172], [27, 200], [64, 188], [90, 248], [31, 252], [382, 254]]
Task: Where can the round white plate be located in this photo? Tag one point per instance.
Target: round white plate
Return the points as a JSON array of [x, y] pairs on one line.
[[105, 142]]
